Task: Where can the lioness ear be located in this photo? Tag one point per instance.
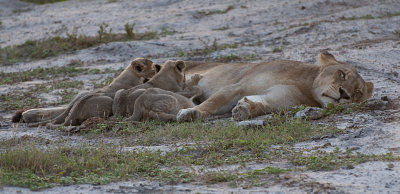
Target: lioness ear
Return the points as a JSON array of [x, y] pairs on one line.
[[180, 65], [326, 59], [369, 88], [158, 67]]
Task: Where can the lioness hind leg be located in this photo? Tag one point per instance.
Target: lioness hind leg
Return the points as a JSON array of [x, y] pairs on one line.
[[246, 108], [277, 97], [222, 100]]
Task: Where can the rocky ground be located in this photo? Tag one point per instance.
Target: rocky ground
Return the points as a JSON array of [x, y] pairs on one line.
[[364, 33]]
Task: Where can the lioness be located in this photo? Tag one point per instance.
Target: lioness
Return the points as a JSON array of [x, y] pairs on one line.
[[134, 74], [159, 104], [170, 78], [257, 89]]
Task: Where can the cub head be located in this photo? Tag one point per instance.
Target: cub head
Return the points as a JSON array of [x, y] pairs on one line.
[[144, 68], [171, 76], [339, 82]]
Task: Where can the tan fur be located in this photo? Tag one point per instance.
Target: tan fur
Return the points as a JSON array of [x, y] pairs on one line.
[[159, 104], [170, 78], [250, 90], [86, 105]]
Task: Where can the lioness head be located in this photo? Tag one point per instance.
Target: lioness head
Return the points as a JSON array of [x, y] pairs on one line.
[[339, 82], [144, 68]]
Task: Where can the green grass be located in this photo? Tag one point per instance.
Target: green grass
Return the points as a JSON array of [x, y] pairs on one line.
[[370, 17], [212, 145], [49, 73], [281, 130], [37, 169], [326, 161], [232, 57], [215, 11], [397, 33], [43, 1], [29, 99], [366, 17], [223, 28], [331, 109], [215, 46], [277, 49], [102, 83], [208, 49], [343, 18], [40, 49], [17, 101], [165, 31]]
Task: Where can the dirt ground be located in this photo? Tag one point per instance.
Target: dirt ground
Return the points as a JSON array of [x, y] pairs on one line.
[[298, 28]]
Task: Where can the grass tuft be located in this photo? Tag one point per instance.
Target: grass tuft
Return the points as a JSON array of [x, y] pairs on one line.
[[277, 49], [43, 1], [129, 30], [40, 49], [216, 11], [48, 73]]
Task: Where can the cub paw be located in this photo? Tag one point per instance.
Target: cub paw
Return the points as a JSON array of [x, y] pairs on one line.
[[241, 111], [196, 78], [189, 114]]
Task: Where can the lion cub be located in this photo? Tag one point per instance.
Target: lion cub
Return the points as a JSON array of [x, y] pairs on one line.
[[159, 104], [170, 77]]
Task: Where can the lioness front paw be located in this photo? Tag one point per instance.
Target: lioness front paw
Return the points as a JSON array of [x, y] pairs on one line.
[[241, 111], [188, 114]]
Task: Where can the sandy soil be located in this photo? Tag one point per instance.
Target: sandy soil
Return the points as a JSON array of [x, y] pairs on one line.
[[369, 44]]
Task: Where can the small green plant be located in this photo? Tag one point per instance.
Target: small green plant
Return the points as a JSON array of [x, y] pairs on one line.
[[102, 83], [397, 33], [332, 109], [129, 30], [208, 48], [102, 32], [212, 12], [277, 49], [166, 32], [366, 17], [43, 1], [232, 57], [217, 177], [222, 28]]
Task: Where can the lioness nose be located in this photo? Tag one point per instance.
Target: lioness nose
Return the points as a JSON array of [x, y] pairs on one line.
[[343, 94]]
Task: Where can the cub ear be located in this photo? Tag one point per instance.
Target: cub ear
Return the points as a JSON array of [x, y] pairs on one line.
[[148, 62], [137, 66], [368, 91], [180, 65], [158, 67]]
